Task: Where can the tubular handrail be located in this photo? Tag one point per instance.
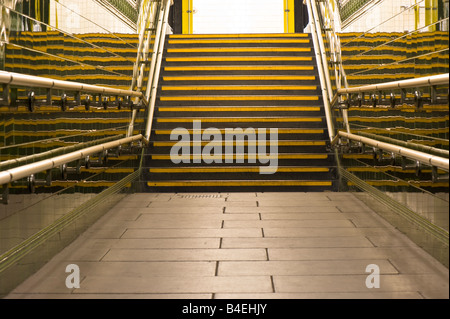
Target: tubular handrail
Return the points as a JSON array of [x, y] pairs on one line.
[[429, 159], [156, 60], [17, 173], [327, 60], [146, 27], [441, 79], [57, 151], [321, 64], [17, 79]]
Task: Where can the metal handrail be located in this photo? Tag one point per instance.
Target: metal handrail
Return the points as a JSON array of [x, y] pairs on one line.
[[17, 79], [156, 61], [17, 173], [322, 64], [146, 29], [55, 152], [429, 159], [441, 79]]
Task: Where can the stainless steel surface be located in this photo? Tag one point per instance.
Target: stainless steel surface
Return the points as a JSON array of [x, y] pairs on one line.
[[18, 79], [441, 79], [27, 170], [432, 160]]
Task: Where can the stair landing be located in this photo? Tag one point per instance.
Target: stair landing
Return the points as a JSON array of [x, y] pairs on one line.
[[240, 246]]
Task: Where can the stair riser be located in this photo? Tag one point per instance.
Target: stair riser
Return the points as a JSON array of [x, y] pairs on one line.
[[238, 72], [239, 176], [281, 149], [281, 162], [235, 114], [243, 62], [308, 91], [243, 125], [281, 136], [249, 102]]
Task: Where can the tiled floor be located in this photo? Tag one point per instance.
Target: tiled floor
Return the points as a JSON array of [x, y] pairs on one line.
[[240, 245]]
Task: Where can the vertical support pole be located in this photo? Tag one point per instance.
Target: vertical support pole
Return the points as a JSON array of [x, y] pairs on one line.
[[49, 97], [289, 16], [429, 14], [435, 14], [416, 16], [6, 94], [187, 17]]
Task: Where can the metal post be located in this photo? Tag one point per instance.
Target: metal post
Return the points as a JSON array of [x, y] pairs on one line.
[[157, 59]]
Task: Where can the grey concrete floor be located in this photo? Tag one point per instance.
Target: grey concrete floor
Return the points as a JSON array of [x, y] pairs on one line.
[[240, 245]]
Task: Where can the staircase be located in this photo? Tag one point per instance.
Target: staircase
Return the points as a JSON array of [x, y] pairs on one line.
[[237, 84]]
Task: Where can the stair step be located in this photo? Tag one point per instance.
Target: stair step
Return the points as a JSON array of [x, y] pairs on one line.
[[225, 41], [240, 98], [238, 183], [240, 78], [223, 157], [244, 169], [240, 59], [211, 88], [243, 35], [239, 109], [252, 50], [240, 68], [222, 131], [244, 143], [240, 120]]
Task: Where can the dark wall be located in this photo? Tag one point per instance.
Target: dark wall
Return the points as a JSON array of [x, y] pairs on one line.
[[301, 16], [175, 16]]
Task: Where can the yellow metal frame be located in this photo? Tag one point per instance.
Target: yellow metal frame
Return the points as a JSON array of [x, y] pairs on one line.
[[187, 17], [289, 16]]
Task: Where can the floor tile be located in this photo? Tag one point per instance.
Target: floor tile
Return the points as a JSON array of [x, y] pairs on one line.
[[138, 255]]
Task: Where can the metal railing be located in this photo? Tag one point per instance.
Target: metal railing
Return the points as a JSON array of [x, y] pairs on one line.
[[322, 63], [30, 81], [11, 81], [156, 60], [427, 81], [23, 171], [425, 158]]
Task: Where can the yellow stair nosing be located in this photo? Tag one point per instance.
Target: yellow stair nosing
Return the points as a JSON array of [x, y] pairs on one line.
[[235, 169], [226, 49], [239, 98], [238, 108], [236, 41], [238, 87], [238, 58], [239, 78], [246, 156], [240, 120], [241, 68], [280, 131], [241, 35]]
